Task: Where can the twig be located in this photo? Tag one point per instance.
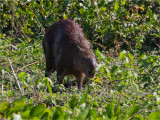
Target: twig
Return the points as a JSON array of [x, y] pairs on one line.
[[28, 65], [114, 81], [15, 75], [34, 15], [144, 20], [18, 32], [100, 45], [156, 44]]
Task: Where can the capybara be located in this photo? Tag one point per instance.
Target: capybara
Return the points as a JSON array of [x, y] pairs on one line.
[[68, 52]]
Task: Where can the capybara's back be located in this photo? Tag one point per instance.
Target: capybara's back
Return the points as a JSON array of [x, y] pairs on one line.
[[68, 52]]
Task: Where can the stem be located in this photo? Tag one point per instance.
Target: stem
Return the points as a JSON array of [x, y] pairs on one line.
[[15, 76], [144, 20]]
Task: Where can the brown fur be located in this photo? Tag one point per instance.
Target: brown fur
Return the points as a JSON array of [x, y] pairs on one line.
[[68, 52]]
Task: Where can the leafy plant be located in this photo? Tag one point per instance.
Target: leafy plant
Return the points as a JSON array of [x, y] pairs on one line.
[[125, 38]]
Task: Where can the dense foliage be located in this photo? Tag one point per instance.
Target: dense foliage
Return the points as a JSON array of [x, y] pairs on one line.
[[125, 35]]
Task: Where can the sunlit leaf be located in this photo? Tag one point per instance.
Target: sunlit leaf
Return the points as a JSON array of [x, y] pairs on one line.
[[154, 115], [98, 53], [116, 6], [26, 114], [110, 109], [123, 2], [84, 96], [156, 35], [58, 114], [64, 16], [83, 114], [3, 106], [117, 110], [134, 109], [37, 110], [20, 101], [73, 102], [21, 74], [108, 73], [45, 115], [131, 57], [27, 107]]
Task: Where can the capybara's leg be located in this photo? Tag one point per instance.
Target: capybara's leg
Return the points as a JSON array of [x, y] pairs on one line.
[[60, 74], [50, 66], [79, 80]]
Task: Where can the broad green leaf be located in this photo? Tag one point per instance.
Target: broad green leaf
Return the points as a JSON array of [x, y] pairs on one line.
[[103, 9], [25, 114], [47, 83], [20, 101], [45, 116], [64, 16], [47, 113], [83, 114], [134, 109], [158, 73], [122, 118], [117, 110], [108, 73], [118, 21], [110, 109], [122, 55], [141, 8], [58, 114], [84, 97], [98, 53], [127, 63], [15, 109], [138, 117], [93, 113], [131, 57], [3, 106], [7, 110], [114, 68], [73, 102], [27, 107], [156, 35], [116, 5], [123, 2], [37, 110], [154, 115]]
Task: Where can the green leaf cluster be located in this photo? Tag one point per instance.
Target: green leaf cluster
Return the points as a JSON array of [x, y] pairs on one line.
[[125, 37]]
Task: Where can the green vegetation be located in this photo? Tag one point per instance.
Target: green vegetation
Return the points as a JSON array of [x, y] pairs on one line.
[[125, 35]]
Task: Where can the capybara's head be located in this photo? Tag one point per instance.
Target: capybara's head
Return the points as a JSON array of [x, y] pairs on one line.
[[85, 61]]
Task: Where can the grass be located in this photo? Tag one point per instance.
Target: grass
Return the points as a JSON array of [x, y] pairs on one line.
[[127, 82]]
